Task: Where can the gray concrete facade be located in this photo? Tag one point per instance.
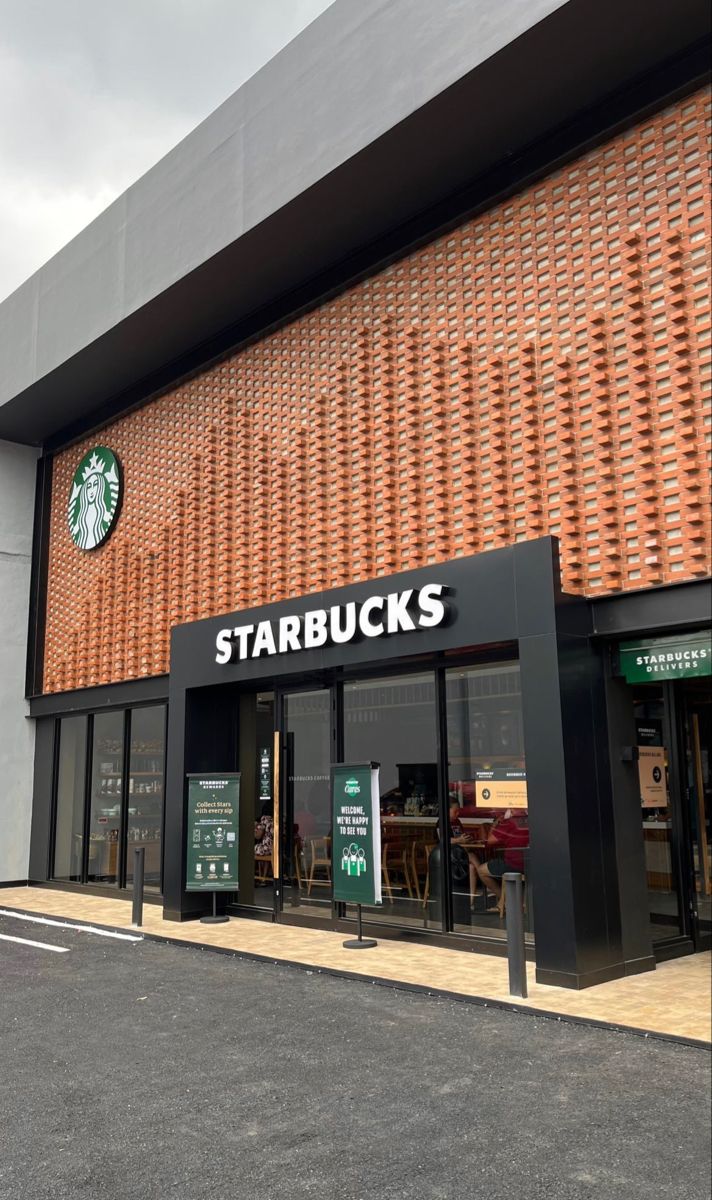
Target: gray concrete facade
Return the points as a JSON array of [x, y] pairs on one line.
[[17, 496], [376, 111], [317, 103]]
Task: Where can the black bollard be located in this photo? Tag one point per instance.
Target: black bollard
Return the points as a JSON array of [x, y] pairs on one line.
[[139, 861], [514, 898]]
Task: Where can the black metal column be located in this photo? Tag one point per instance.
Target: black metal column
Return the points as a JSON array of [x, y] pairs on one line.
[[628, 844], [175, 900], [574, 877], [571, 862], [202, 736]]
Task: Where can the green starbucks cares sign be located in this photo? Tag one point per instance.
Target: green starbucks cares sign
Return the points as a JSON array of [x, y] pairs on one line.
[[94, 498]]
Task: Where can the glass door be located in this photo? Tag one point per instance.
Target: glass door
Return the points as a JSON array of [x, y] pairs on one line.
[[392, 720], [264, 818], [696, 720], [660, 815], [259, 814], [306, 756]]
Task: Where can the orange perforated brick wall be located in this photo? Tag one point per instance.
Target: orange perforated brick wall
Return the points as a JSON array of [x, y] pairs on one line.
[[543, 368]]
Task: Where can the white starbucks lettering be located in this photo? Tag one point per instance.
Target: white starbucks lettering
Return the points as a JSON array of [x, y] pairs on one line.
[[289, 633], [368, 627], [264, 640], [671, 659], [432, 609], [343, 630], [374, 617]]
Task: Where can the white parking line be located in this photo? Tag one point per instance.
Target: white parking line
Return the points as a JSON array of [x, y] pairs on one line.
[[38, 945], [123, 937]]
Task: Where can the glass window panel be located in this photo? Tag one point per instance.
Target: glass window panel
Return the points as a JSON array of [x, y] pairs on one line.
[[145, 809], [487, 793], [656, 813], [698, 743], [392, 721], [105, 797], [71, 775], [307, 859]]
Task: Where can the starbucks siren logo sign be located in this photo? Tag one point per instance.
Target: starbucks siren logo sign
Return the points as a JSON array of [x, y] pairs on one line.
[[94, 498]]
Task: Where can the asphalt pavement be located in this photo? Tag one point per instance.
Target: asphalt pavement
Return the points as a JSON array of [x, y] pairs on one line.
[[131, 1069]]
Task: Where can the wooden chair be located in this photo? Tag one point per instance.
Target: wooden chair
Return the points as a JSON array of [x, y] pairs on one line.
[[320, 860], [263, 867], [297, 860], [394, 861], [419, 864]]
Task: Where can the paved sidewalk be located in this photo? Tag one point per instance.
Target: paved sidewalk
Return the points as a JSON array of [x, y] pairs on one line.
[[673, 1001], [135, 1069]]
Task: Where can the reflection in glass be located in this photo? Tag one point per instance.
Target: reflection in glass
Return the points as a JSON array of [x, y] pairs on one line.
[[656, 812], [487, 793], [105, 798], [392, 721], [307, 860], [698, 742], [69, 826], [145, 814]]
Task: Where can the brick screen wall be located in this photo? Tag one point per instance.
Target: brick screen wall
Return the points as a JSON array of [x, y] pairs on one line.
[[544, 368]]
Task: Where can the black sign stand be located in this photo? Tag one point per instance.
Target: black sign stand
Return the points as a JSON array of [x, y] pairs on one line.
[[215, 919], [360, 942]]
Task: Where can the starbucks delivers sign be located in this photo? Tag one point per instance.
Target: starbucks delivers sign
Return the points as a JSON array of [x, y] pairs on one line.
[[94, 498], [356, 833], [683, 656]]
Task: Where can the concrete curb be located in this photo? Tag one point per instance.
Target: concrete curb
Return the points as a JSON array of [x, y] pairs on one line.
[[394, 984]]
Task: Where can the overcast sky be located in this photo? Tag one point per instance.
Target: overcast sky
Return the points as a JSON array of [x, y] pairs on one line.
[[93, 92]]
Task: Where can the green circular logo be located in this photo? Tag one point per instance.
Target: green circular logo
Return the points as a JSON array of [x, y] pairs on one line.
[[94, 498]]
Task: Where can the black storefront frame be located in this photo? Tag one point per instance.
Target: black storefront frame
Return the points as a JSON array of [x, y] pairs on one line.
[[83, 884], [338, 918], [567, 636], [446, 935], [690, 938], [505, 654], [505, 596], [666, 610]]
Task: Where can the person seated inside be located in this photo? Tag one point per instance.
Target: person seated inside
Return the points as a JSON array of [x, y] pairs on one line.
[[264, 831], [460, 837], [510, 835]]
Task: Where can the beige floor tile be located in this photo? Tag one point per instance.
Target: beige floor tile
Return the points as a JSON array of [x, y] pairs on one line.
[[673, 1000]]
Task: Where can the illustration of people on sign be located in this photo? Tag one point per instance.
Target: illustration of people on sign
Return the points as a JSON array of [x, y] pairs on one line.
[[353, 860]]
